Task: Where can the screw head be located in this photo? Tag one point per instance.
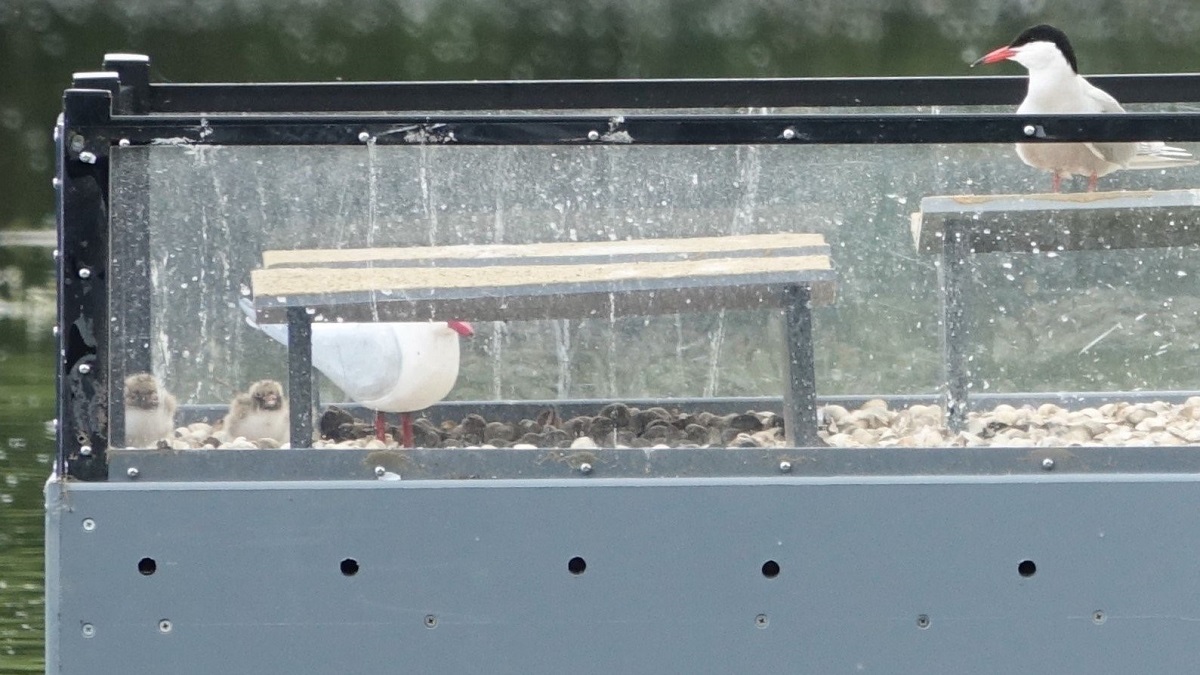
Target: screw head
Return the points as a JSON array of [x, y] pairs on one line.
[[124, 142], [1029, 130], [87, 157], [430, 621], [88, 630], [77, 143], [379, 471], [593, 135], [761, 621], [364, 136], [85, 273], [55, 183], [132, 472], [785, 466], [923, 621], [165, 626], [89, 525], [789, 134], [85, 368], [585, 468], [1047, 464], [1098, 617], [85, 450]]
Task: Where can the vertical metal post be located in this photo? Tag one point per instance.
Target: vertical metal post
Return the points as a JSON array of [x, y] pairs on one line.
[[953, 277], [300, 376], [800, 390], [83, 277]]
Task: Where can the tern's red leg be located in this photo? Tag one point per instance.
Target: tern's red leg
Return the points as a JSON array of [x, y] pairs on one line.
[[1055, 183], [1093, 180], [380, 426], [406, 429]]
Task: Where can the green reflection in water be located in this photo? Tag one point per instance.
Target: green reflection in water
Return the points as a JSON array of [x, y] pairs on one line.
[[26, 404]]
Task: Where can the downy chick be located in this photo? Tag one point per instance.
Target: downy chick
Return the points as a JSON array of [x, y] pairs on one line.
[[149, 411], [262, 412]]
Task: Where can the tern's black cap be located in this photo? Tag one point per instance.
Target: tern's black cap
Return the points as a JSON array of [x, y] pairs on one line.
[[1046, 33]]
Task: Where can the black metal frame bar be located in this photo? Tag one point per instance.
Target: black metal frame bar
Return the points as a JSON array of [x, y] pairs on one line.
[[637, 94], [119, 106], [650, 129]]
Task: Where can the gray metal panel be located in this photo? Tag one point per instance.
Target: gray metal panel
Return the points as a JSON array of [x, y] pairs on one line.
[[248, 576], [468, 464]]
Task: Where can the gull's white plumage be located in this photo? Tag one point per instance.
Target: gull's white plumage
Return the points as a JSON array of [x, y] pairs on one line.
[[390, 367]]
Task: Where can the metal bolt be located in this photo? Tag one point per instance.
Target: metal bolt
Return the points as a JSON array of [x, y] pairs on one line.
[[761, 621], [77, 143], [785, 466], [1029, 130], [789, 134], [593, 135], [124, 142], [164, 626], [85, 368], [379, 471], [85, 450], [1098, 617], [55, 183], [88, 630], [132, 472], [85, 273], [364, 136], [87, 157], [923, 621], [585, 468], [1047, 464], [89, 525], [430, 621]]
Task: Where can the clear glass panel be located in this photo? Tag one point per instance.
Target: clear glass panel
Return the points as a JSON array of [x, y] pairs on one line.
[[1038, 322]]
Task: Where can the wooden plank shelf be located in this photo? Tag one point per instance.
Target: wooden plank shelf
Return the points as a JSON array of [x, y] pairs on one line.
[[543, 281]]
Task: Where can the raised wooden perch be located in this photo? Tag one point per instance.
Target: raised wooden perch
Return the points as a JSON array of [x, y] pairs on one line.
[[1082, 221], [958, 226], [563, 280]]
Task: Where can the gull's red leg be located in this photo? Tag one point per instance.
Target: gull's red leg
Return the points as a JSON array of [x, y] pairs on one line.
[[406, 429], [380, 426]]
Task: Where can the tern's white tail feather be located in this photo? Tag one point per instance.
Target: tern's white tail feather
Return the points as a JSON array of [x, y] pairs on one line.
[[1158, 155]]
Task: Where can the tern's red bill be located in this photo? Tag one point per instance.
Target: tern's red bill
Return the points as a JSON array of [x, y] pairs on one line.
[[996, 55]]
